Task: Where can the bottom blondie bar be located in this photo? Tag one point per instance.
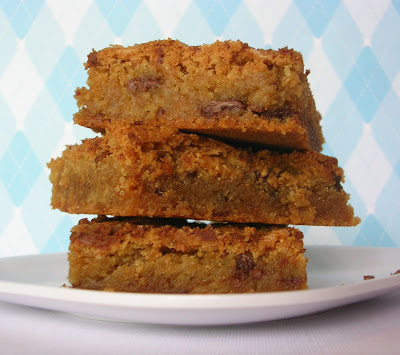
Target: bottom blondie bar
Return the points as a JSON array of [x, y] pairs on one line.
[[173, 256]]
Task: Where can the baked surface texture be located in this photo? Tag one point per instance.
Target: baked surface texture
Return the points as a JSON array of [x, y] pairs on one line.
[[137, 171], [143, 255], [224, 89]]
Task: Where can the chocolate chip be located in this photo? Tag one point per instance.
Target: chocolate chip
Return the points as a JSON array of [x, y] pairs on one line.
[[215, 107], [160, 53], [338, 179], [244, 264], [182, 68], [166, 250], [101, 156], [192, 174], [279, 113], [92, 59], [160, 112], [269, 65], [143, 84]]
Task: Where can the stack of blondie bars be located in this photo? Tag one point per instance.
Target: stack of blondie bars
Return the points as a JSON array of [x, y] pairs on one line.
[[221, 132]]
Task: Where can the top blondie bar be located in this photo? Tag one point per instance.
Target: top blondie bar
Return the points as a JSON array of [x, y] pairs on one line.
[[225, 89]]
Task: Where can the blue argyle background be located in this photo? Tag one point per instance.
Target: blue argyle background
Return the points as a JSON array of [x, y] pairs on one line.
[[351, 47]]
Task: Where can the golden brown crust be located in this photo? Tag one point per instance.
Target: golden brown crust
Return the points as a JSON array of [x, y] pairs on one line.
[[137, 171], [143, 255], [225, 89]]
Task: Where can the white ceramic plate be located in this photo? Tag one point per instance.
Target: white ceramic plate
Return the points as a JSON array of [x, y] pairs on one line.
[[336, 278]]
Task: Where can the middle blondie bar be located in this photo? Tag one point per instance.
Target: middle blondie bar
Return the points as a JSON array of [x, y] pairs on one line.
[[138, 171]]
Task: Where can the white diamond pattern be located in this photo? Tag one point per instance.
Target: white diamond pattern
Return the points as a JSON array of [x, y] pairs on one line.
[[20, 84], [172, 10], [368, 165], [69, 15], [16, 238], [396, 84], [268, 20], [367, 14], [42, 47], [323, 78]]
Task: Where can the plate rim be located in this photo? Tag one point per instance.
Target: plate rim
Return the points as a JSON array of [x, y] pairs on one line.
[[258, 299], [93, 303]]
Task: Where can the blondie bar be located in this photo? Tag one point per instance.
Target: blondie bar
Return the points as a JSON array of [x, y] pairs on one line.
[[167, 256], [224, 89], [138, 171]]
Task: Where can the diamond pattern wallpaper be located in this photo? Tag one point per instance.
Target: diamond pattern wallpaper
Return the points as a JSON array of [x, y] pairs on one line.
[[351, 47]]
